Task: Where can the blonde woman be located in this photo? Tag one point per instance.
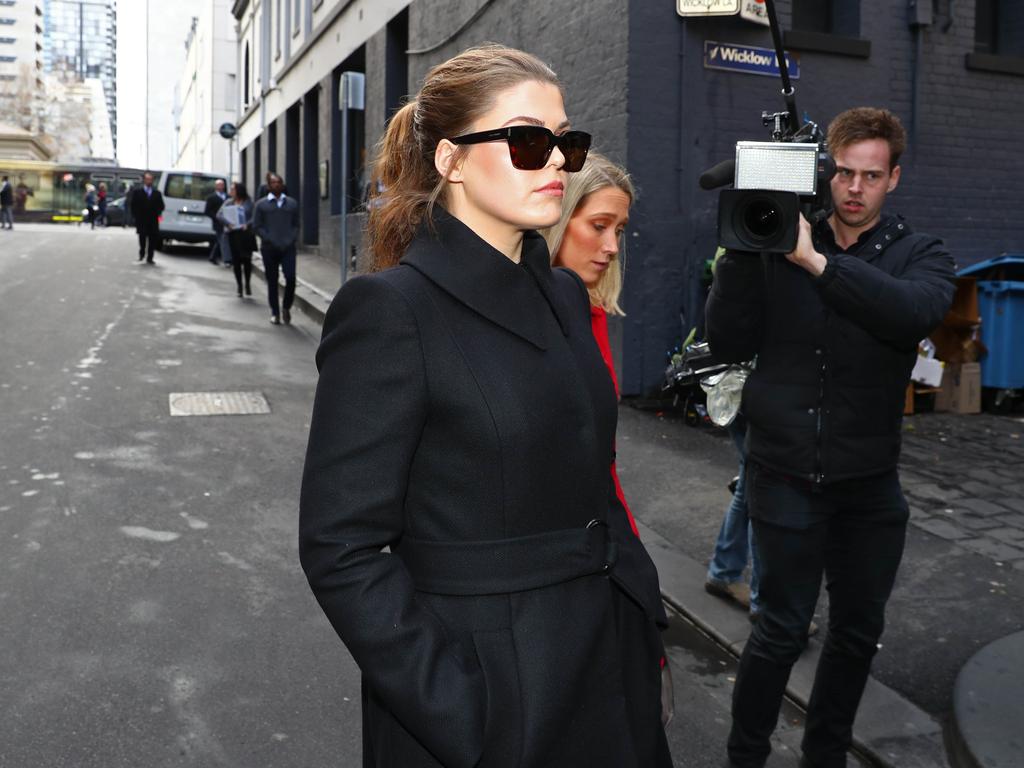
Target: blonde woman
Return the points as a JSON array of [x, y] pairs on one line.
[[490, 634], [588, 240]]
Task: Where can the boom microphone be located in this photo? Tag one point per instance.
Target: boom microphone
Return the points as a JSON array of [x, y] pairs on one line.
[[718, 175]]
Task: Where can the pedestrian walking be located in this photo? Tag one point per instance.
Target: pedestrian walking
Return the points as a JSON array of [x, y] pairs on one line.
[[236, 217], [90, 205], [443, 428], [835, 327], [219, 248], [101, 204], [147, 204], [588, 239], [276, 221], [6, 204]]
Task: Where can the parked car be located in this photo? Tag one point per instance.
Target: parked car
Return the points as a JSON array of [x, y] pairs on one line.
[[116, 215]]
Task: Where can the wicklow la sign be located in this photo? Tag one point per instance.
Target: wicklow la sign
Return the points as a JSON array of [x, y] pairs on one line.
[[708, 7]]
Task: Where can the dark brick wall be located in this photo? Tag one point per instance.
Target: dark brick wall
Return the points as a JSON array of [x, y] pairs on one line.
[[585, 43]]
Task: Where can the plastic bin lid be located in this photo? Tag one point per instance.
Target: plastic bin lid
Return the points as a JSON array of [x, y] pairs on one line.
[[1013, 264]]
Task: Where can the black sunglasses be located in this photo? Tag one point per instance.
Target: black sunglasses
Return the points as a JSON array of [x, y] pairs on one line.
[[530, 146]]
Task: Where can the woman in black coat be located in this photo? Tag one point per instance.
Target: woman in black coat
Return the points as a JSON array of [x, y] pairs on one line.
[[465, 420]]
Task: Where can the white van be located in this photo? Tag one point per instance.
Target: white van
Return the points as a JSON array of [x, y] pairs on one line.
[[185, 194]]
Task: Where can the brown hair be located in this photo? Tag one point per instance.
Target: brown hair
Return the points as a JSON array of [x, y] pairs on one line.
[[864, 123], [598, 173], [406, 183]]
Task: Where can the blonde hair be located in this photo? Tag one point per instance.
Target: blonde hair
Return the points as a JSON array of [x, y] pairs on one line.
[[405, 181], [598, 173]]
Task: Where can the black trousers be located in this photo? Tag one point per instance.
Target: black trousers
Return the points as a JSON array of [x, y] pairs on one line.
[[274, 260], [852, 532], [241, 261], [147, 244]]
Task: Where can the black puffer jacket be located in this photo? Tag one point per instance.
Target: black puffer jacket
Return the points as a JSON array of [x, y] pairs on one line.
[[834, 353]]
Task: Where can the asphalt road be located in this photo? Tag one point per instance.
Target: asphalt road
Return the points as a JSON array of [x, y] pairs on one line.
[[154, 613]]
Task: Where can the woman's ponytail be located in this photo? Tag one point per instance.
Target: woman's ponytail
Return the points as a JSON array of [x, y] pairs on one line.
[[402, 183]]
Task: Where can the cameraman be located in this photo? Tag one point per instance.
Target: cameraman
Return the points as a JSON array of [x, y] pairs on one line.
[[835, 327]]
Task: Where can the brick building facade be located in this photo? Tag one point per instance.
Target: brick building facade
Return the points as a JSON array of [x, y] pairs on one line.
[[634, 76]]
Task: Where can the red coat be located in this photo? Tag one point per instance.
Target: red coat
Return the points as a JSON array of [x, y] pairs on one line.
[[599, 326]]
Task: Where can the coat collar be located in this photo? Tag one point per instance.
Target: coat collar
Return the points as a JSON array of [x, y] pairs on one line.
[[458, 261], [871, 243]]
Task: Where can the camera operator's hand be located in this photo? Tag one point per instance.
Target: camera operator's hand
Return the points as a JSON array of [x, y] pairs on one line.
[[805, 256]]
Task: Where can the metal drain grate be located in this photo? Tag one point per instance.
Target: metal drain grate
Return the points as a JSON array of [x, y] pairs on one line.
[[217, 403]]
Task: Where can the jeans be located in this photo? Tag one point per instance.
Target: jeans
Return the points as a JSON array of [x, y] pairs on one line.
[[6, 219], [273, 260], [736, 536], [225, 247], [851, 531]]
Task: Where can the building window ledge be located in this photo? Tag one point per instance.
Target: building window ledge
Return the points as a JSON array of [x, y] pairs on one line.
[[823, 42], [993, 62]]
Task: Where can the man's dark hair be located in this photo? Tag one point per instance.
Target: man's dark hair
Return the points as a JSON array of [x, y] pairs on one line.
[[865, 123], [273, 175]]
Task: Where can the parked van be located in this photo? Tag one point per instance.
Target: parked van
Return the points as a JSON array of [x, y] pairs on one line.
[[185, 196]]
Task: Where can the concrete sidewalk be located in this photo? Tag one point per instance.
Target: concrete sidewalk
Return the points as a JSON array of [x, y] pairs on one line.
[[890, 730]]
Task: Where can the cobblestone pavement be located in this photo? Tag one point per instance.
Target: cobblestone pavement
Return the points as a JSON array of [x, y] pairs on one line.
[[964, 479]]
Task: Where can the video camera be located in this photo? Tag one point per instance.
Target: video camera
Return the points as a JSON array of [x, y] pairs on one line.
[[773, 181]]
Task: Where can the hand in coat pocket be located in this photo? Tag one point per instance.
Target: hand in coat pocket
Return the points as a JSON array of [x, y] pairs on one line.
[[496, 652]]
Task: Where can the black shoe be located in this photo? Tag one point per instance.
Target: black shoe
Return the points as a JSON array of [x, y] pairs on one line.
[[239, 293], [275, 320], [286, 316], [142, 256], [248, 290], [150, 261]]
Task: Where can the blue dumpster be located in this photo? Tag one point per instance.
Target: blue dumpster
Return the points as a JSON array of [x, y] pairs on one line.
[[1001, 305]]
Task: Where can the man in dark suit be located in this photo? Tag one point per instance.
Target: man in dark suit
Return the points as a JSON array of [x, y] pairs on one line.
[[6, 204], [147, 205], [276, 221], [219, 248]]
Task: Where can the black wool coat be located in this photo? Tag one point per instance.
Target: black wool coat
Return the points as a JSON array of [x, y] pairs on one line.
[[834, 353], [146, 210], [464, 419]]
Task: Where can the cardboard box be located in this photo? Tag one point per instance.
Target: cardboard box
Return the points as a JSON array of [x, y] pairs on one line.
[[961, 389]]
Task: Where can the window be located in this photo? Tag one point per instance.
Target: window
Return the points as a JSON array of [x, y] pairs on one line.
[[7, 40], [998, 42], [998, 26], [245, 82], [827, 26], [8, 59], [189, 186], [296, 16], [6, 21], [277, 28]]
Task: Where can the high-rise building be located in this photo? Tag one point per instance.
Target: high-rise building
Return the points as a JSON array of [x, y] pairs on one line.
[[21, 44], [80, 43]]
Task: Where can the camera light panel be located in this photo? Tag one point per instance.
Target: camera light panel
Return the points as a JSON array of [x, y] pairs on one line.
[[777, 166]]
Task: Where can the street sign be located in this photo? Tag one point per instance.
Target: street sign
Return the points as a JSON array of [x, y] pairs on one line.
[[748, 59], [227, 130], [707, 7], [756, 11]]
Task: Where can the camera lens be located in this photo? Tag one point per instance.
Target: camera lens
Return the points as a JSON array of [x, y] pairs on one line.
[[761, 218]]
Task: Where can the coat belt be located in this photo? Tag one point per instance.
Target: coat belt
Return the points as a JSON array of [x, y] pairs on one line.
[[502, 566]]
